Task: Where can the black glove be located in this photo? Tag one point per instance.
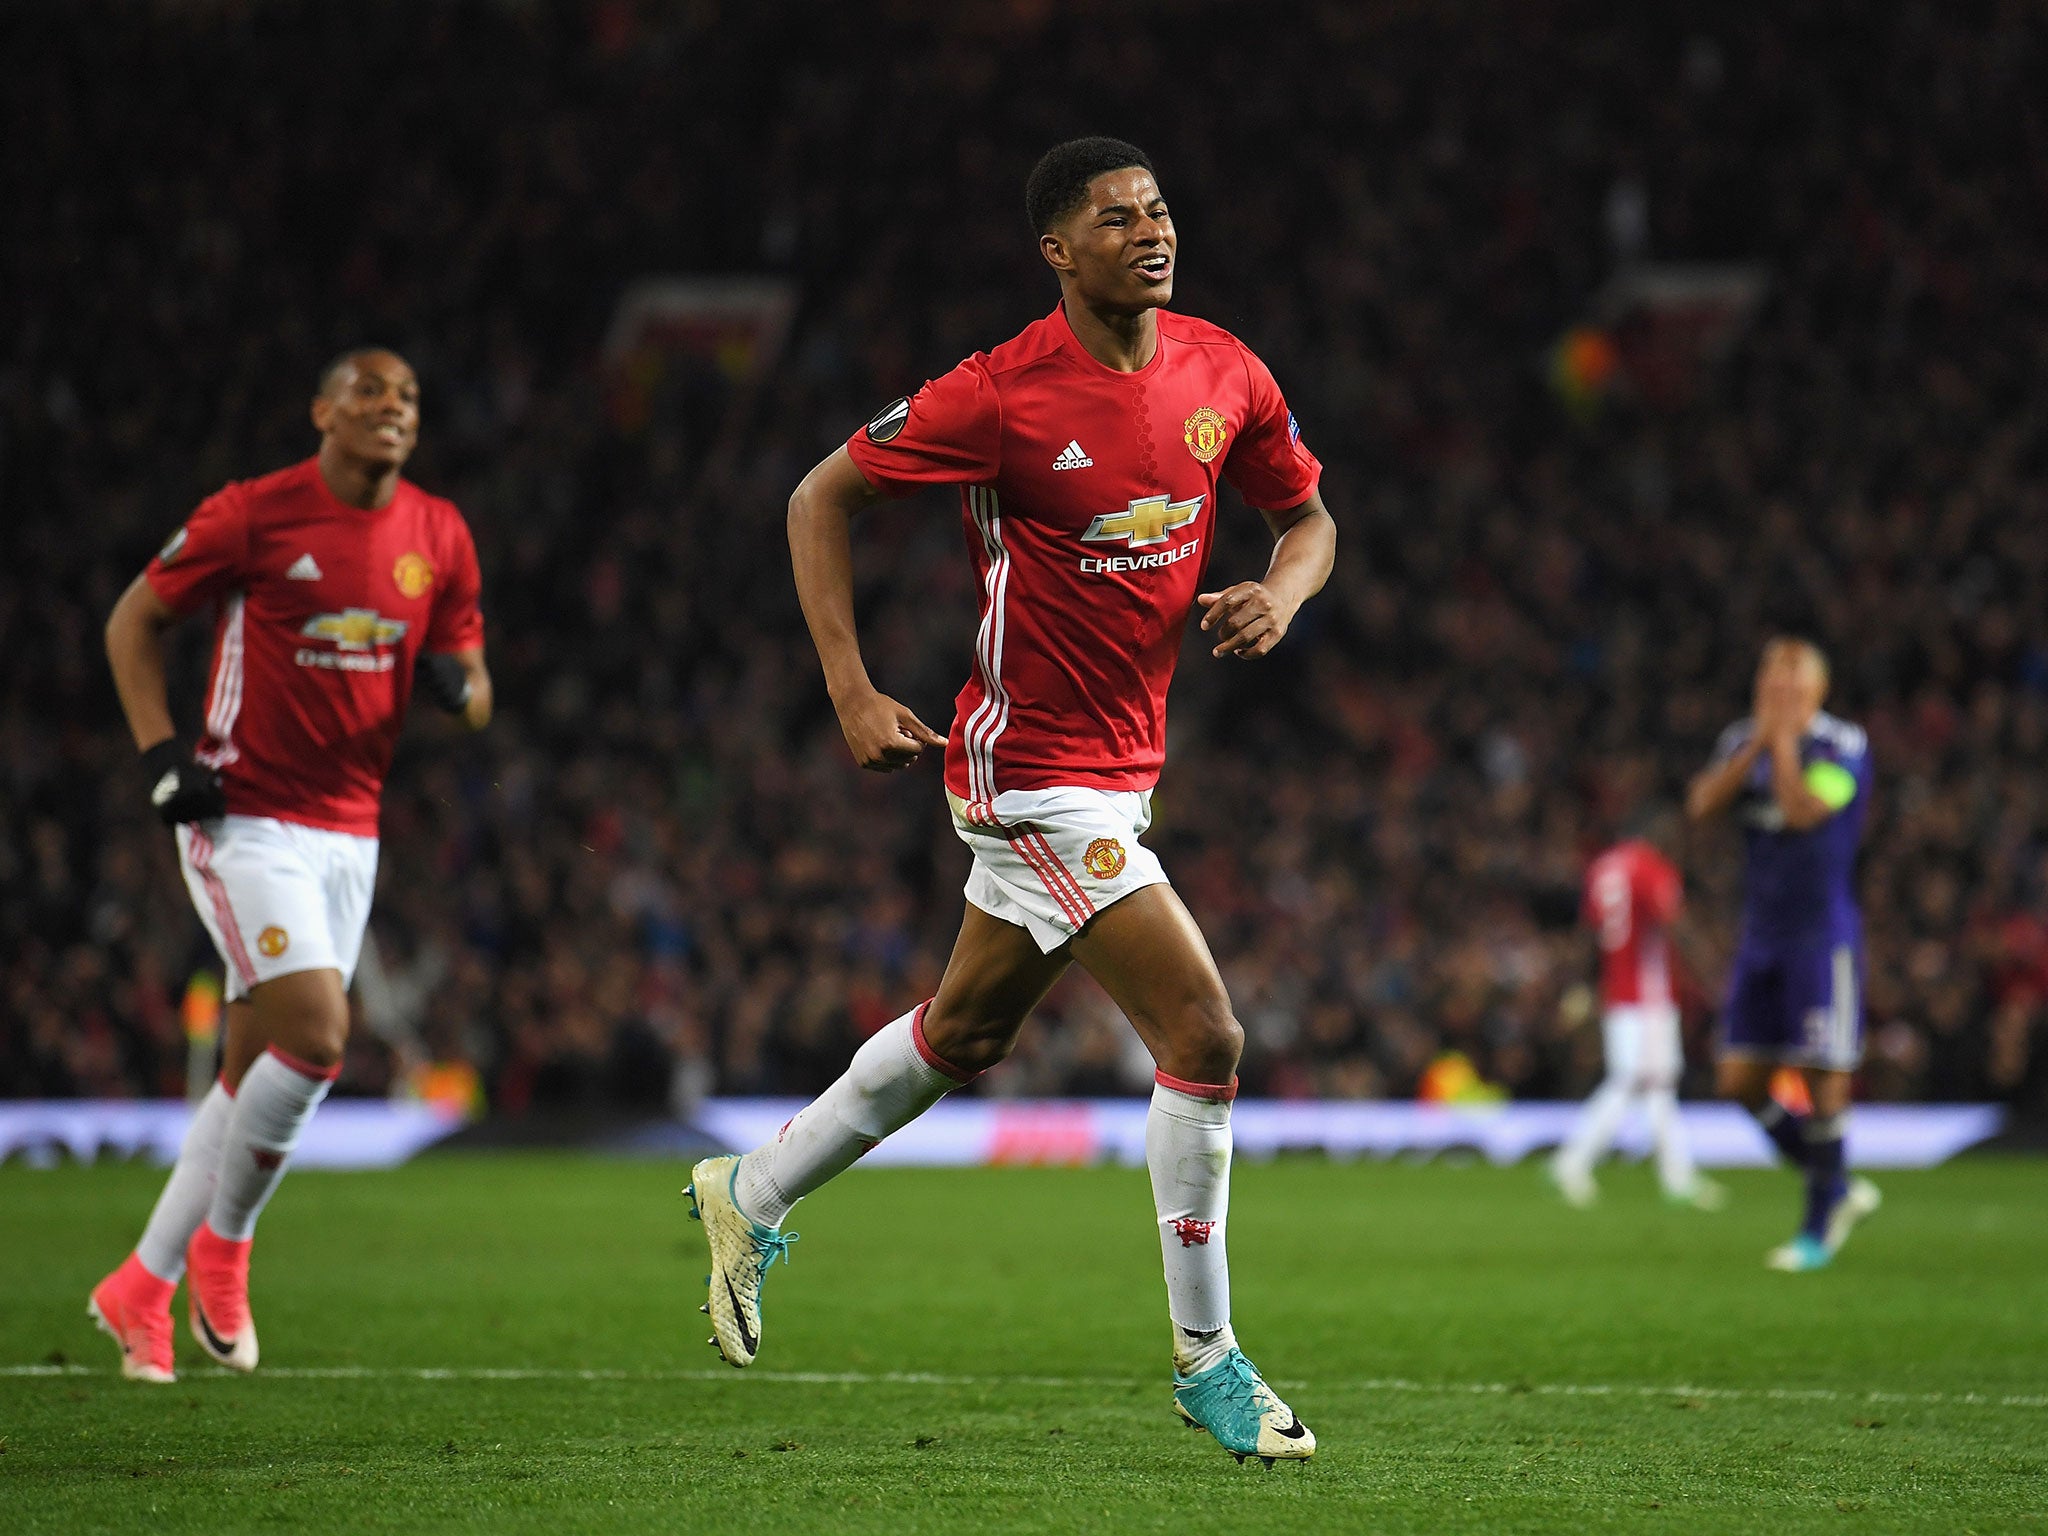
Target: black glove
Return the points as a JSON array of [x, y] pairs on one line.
[[441, 677], [181, 789]]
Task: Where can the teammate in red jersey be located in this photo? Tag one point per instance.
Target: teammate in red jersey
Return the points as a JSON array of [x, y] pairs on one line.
[[1633, 895], [1089, 452], [338, 588]]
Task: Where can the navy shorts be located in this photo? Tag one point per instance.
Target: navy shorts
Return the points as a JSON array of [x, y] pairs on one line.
[[1800, 1004]]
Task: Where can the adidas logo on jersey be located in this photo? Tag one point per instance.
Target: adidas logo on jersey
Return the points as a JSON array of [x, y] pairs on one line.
[[305, 568], [1072, 457]]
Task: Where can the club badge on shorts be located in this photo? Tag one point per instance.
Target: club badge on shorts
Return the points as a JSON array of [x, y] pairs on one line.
[[273, 941], [413, 574], [1206, 432], [1105, 858]]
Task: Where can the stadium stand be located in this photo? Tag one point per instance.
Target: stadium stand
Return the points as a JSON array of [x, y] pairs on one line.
[[657, 875]]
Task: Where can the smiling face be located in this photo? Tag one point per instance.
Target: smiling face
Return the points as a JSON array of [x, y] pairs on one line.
[[1116, 247], [370, 408]]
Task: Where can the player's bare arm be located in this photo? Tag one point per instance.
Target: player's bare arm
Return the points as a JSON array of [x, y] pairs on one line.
[[1715, 786], [1782, 714], [476, 710], [135, 651], [882, 734], [180, 788], [459, 682], [1252, 617]]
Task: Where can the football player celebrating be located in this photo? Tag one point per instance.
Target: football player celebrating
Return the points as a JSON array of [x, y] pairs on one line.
[[338, 588], [1089, 451], [1799, 779]]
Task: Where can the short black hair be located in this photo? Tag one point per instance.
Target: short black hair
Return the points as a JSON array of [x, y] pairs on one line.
[[341, 360], [1060, 179]]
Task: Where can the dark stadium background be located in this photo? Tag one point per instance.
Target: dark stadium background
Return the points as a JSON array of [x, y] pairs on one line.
[[658, 875]]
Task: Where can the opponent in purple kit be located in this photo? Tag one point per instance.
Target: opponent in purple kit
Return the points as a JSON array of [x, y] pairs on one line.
[[1799, 780]]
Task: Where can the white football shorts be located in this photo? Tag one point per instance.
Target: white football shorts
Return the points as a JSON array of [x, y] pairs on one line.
[[1643, 1046], [278, 897], [1049, 859]]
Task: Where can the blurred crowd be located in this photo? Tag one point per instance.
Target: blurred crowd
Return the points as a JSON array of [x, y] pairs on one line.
[[658, 875]]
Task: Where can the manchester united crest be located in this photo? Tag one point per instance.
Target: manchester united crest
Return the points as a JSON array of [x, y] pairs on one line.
[[413, 574], [1206, 433], [1104, 859]]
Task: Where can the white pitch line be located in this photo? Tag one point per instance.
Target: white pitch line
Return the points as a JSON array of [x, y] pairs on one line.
[[1390, 1384]]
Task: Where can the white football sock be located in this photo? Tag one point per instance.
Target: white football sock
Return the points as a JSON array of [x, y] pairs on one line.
[[1187, 1149], [892, 1080], [1593, 1133], [1675, 1171], [271, 1110], [188, 1192]]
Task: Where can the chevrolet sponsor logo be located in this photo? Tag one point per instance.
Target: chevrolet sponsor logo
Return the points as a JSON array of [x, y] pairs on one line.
[[354, 629], [1147, 520], [1151, 560]]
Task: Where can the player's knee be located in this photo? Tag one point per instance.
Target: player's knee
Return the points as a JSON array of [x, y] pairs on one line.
[[973, 1044], [1205, 1039], [309, 1023], [1737, 1080]]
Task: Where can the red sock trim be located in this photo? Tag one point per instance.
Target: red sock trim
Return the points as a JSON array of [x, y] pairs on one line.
[[931, 1057], [1215, 1093], [305, 1068], [226, 1087]]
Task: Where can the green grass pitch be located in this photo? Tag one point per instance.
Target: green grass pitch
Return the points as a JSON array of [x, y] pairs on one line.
[[511, 1344]]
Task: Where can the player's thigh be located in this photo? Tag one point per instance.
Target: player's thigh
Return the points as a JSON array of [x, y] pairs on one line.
[[1050, 860], [1825, 999], [1756, 1030], [995, 976], [302, 1016], [1621, 1035], [262, 897], [1152, 960], [1659, 1053], [349, 874], [1746, 1079]]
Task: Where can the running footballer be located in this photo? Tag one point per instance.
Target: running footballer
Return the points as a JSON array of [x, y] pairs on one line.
[[1088, 452], [337, 588]]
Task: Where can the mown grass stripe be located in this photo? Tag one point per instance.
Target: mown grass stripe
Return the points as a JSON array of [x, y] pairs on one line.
[[1384, 1384]]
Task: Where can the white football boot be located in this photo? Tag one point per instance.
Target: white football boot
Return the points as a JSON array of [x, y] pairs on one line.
[[741, 1251]]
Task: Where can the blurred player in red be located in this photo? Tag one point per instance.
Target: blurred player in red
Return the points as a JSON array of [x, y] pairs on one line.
[[1088, 452], [1633, 895], [337, 589]]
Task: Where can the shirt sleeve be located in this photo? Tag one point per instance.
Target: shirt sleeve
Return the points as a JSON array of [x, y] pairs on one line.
[[1268, 462], [457, 623], [206, 558], [1662, 892], [948, 433], [1838, 776]]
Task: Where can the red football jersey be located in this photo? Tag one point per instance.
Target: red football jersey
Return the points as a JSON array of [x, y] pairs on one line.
[[1632, 895], [323, 609], [1087, 497]]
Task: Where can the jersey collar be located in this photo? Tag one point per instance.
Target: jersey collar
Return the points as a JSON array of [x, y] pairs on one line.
[[1094, 364]]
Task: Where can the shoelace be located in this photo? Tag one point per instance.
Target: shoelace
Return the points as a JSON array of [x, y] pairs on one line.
[[770, 1245], [1247, 1383]]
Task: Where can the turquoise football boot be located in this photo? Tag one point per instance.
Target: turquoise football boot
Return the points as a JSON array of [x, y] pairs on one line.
[[1232, 1401]]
